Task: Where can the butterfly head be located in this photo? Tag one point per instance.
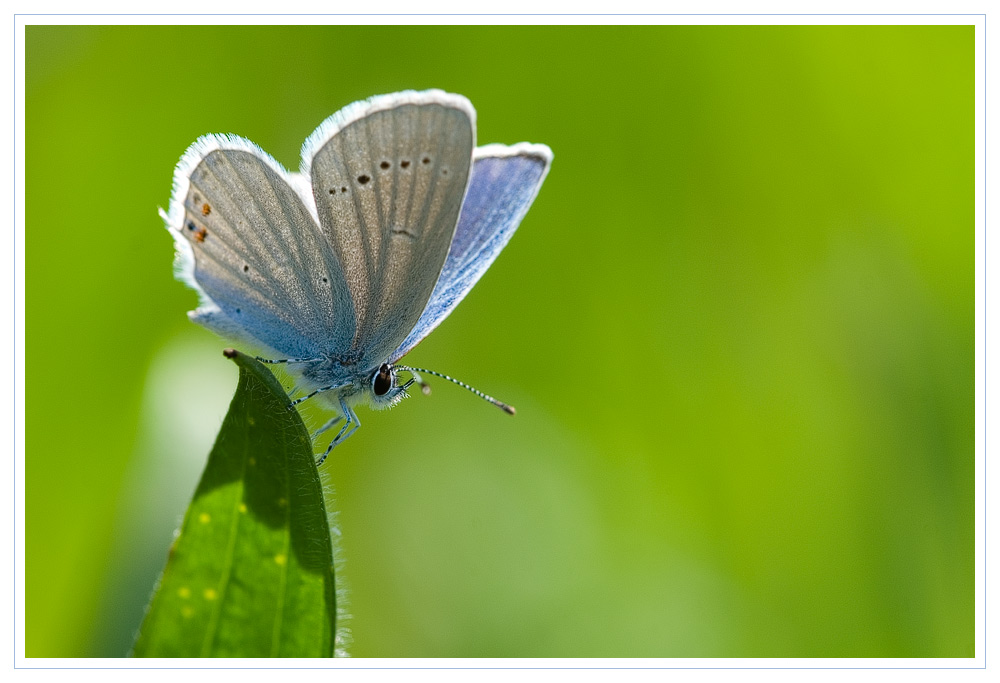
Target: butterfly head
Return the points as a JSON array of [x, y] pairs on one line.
[[385, 389]]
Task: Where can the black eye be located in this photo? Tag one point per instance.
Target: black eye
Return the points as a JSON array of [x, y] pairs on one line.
[[382, 381]]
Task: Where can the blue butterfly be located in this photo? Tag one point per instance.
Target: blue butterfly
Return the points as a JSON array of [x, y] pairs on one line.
[[338, 271]]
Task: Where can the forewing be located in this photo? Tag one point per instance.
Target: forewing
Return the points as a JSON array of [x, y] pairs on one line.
[[389, 175], [250, 245], [504, 182]]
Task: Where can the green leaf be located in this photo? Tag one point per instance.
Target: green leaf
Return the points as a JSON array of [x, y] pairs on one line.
[[251, 572]]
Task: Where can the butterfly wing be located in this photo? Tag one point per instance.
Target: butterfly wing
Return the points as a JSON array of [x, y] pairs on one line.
[[388, 176], [249, 243], [505, 180]]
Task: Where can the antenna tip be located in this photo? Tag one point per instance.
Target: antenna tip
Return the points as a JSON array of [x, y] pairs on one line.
[[508, 409], [426, 388]]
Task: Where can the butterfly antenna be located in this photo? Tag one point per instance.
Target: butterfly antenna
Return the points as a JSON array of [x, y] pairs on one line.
[[499, 404]]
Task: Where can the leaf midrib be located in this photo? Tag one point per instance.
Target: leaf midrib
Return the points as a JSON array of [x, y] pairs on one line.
[[283, 581], [230, 553]]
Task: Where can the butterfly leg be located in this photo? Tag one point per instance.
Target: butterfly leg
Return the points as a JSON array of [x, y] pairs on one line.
[[349, 428], [287, 360], [311, 394], [327, 426]]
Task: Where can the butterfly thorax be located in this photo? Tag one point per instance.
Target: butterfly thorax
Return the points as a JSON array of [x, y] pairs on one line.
[[337, 369]]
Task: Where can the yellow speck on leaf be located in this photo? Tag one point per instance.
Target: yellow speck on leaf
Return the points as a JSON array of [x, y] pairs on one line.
[[210, 594], [280, 559], [186, 611], [204, 518], [243, 507], [184, 592]]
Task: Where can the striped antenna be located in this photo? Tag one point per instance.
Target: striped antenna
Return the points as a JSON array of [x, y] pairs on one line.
[[499, 404]]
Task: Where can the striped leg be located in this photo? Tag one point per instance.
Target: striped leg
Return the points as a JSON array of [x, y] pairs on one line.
[[287, 360], [327, 426], [349, 428], [310, 395]]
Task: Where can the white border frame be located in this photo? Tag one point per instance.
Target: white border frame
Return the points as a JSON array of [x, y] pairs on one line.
[[578, 668]]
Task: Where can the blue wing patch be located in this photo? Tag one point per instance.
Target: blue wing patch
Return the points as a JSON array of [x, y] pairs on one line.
[[504, 182]]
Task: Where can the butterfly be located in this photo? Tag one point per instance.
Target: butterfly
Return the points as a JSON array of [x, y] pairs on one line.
[[339, 270]]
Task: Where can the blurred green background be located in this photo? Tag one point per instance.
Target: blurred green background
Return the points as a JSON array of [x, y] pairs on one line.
[[737, 325]]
